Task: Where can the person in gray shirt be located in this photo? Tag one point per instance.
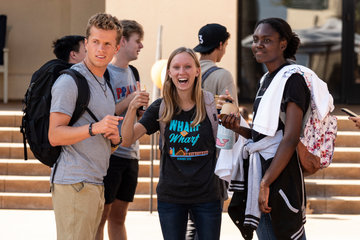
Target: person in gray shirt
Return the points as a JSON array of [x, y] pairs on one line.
[[77, 188], [121, 179], [213, 40]]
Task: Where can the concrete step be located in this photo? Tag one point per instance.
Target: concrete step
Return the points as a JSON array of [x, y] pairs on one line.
[[41, 184], [13, 119], [13, 135], [348, 139], [145, 166], [43, 201], [314, 187], [10, 118], [344, 124], [334, 204], [338, 171], [25, 184], [20, 167], [332, 187], [32, 167], [10, 134], [346, 155], [16, 151], [25, 201]]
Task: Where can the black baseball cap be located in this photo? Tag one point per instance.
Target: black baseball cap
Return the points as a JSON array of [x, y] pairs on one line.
[[210, 37]]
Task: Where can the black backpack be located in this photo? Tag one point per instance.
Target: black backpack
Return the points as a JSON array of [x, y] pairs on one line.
[[135, 72], [207, 73], [36, 108]]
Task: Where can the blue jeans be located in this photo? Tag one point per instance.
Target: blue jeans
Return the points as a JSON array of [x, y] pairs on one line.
[[265, 230], [174, 218]]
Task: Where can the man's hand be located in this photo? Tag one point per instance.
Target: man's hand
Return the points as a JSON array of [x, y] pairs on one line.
[[108, 126], [220, 100]]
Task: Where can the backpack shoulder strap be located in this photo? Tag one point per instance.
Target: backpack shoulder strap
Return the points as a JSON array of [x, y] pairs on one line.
[[135, 72], [294, 69], [211, 111], [208, 72], [161, 123], [83, 95], [107, 80]]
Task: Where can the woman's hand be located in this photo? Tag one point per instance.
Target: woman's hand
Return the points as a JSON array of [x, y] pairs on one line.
[[264, 198], [230, 121], [141, 99]]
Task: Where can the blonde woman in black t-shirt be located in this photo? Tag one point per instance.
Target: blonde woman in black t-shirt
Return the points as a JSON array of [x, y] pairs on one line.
[[187, 182]]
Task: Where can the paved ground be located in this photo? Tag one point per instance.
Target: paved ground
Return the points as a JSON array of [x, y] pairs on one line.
[[40, 225]]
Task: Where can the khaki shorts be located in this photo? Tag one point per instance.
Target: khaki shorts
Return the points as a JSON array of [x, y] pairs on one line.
[[78, 209]]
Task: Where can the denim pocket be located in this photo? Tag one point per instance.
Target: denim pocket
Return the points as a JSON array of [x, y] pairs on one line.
[[78, 186], [287, 202]]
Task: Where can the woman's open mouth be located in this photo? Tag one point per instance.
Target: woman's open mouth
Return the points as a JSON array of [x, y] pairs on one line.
[[183, 80]]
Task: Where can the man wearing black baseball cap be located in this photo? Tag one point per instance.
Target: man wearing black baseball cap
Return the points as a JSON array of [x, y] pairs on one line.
[[213, 39]]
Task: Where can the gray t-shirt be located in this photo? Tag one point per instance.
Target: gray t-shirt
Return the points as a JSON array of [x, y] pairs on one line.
[[87, 160], [218, 81], [123, 83]]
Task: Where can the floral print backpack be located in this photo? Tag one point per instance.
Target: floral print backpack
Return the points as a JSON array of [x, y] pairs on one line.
[[317, 141]]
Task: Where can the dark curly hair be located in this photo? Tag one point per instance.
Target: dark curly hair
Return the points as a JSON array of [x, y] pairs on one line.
[[63, 46], [285, 32]]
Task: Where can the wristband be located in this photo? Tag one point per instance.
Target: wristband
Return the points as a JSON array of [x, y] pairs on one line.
[[90, 130], [116, 145]]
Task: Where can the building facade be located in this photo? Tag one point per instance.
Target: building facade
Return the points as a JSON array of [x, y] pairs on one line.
[[29, 36]]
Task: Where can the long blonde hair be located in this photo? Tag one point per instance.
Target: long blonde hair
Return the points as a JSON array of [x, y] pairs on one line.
[[171, 97]]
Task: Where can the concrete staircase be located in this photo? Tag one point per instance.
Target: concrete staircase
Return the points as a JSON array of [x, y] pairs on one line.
[[25, 184]]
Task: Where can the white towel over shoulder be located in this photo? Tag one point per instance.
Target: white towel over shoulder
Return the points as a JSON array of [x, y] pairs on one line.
[[267, 116]]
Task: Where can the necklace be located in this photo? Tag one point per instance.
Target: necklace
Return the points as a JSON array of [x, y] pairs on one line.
[[103, 86]]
